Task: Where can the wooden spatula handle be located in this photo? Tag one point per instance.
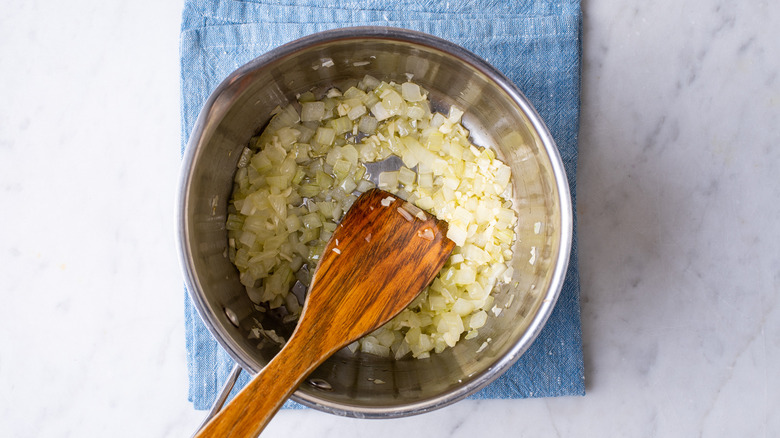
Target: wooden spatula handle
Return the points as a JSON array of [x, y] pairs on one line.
[[256, 404]]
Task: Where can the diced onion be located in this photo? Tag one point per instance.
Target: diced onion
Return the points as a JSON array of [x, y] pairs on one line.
[[297, 178], [411, 92], [312, 111]]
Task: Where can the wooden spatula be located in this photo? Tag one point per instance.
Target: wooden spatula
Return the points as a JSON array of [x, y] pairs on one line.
[[382, 254]]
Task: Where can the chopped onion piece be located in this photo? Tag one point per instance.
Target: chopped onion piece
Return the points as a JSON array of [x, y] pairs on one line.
[[367, 124], [413, 210], [403, 212], [388, 180], [380, 112], [356, 112], [457, 234], [411, 92], [426, 234], [312, 111], [406, 176], [325, 136]]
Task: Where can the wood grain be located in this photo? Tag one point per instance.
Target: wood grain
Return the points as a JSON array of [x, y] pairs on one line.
[[379, 259]]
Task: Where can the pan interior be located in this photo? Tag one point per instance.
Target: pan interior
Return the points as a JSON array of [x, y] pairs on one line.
[[354, 384]]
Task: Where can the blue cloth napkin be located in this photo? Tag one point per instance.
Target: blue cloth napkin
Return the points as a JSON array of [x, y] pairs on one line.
[[534, 43]]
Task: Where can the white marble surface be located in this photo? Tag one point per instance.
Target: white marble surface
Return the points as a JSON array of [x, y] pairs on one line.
[[678, 207]]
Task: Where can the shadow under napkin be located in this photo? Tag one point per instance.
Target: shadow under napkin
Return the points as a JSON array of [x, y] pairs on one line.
[[535, 44]]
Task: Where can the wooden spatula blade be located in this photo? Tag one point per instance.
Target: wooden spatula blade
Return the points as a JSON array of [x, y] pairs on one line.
[[380, 257]]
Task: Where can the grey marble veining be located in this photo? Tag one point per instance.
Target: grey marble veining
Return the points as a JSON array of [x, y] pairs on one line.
[[678, 202], [677, 209]]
